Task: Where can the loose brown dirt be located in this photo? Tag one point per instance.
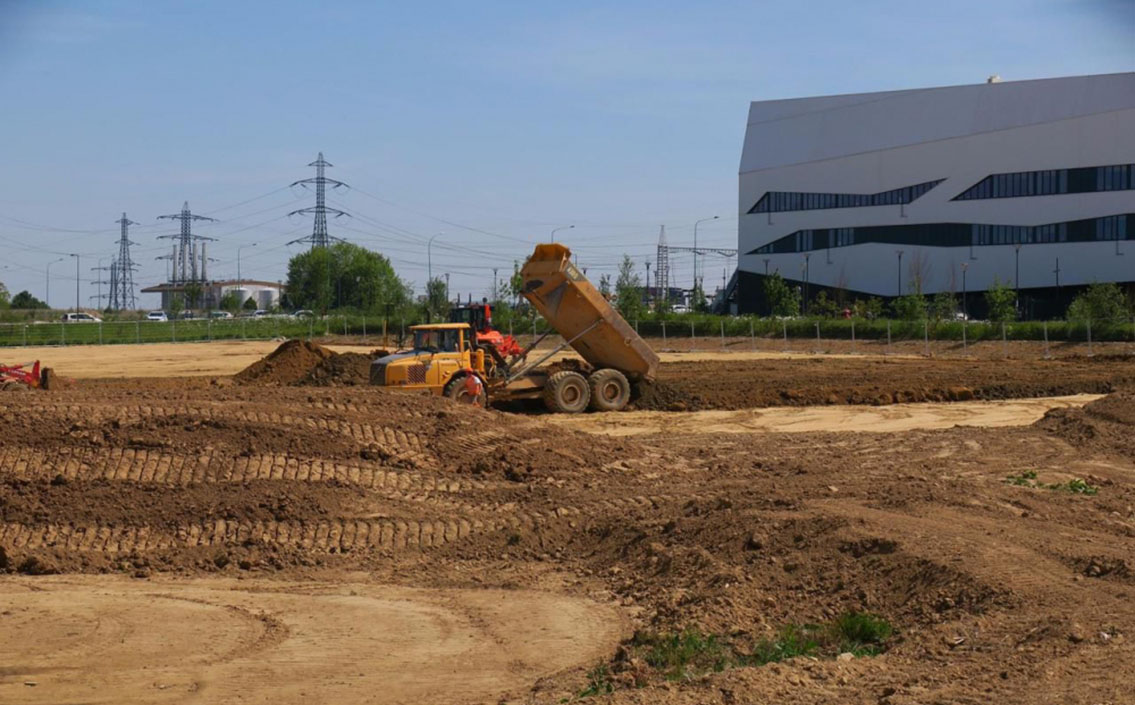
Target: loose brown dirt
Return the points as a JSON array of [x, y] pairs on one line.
[[717, 384], [165, 540]]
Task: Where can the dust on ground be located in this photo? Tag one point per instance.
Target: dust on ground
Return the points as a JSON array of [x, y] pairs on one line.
[[509, 555]]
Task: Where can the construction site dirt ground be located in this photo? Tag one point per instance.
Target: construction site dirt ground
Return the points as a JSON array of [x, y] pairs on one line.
[[196, 537]]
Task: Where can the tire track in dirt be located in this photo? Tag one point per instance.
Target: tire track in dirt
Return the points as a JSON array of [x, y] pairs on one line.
[[160, 467]]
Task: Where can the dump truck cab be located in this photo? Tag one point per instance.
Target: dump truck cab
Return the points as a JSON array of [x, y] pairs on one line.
[[441, 356]]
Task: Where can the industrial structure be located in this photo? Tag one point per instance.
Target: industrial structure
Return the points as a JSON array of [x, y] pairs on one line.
[[187, 259], [122, 270], [1027, 183], [319, 236]]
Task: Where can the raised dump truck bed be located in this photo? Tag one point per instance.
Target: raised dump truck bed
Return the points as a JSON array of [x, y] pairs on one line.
[[585, 319]]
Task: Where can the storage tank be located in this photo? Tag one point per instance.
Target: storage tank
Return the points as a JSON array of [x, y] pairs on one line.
[[241, 294], [265, 298]]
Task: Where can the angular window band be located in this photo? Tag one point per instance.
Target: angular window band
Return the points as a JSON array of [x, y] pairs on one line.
[[1104, 228], [1052, 182], [784, 201]]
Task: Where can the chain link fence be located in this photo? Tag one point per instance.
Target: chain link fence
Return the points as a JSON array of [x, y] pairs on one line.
[[694, 332]]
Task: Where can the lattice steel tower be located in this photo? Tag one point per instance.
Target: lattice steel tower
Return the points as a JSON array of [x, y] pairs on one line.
[[188, 266], [122, 270], [319, 236], [662, 268]]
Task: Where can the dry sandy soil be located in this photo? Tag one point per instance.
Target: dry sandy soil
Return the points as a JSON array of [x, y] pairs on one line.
[[215, 539]]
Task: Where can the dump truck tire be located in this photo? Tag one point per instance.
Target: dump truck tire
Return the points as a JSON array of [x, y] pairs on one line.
[[610, 390], [567, 392], [458, 391]]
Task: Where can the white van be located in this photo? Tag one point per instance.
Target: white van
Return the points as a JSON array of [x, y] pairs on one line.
[[80, 318]]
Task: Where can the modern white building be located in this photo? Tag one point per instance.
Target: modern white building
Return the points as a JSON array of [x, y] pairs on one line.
[[1031, 183]]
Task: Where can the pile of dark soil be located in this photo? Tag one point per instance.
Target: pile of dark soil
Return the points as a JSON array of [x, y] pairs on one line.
[[287, 364], [303, 363], [341, 369]]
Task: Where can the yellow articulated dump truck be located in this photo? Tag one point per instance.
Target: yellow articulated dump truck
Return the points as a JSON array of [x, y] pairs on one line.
[[451, 359]]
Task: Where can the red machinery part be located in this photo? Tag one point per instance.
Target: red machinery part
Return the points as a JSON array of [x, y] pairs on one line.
[[19, 373]]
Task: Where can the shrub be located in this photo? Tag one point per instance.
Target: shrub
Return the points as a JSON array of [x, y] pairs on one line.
[[1100, 302]]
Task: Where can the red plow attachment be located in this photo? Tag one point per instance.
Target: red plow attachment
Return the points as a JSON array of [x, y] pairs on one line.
[[35, 377]]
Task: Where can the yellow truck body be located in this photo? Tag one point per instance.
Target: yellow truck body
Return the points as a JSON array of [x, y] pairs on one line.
[[580, 313]]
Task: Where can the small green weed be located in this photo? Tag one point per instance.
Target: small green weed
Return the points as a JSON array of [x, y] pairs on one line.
[[862, 634], [1074, 486], [790, 642], [598, 682], [684, 655]]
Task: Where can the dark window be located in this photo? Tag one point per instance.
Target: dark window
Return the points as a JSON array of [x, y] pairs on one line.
[[781, 201], [1118, 177], [1113, 227]]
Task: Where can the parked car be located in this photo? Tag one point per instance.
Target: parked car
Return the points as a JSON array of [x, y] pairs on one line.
[[261, 313], [303, 313], [157, 316], [187, 316], [220, 314], [80, 318]]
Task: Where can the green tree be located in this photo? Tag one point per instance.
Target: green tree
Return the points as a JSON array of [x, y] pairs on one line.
[[250, 304], [230, 301], [24, 300], [783, 300], [193, 292], [605, 285], [437, 303], [943, 306], [344, 275], [4, 296], [698, 302], [1001, 302], [824, 307], [911, 307], [515, 283], [1099, 302], [176, 303], [628, 291]]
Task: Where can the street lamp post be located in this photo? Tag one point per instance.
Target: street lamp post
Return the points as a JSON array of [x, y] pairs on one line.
[[47, 281], [563, 227], [696, 223], [899, 292], [76, 281], [965, 308], [239, 280], [807, 257], [1017, 274], [430, 261]]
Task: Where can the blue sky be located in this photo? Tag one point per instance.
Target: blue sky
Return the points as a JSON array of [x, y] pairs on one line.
[[492, 122]]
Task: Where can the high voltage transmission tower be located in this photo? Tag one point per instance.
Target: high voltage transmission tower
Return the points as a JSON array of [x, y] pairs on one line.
[[122, 270], [185, 255], [319, 236]]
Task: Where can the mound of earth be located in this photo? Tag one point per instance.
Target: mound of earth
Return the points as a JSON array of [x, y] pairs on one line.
[[1104, 424], [287, 364], [340, 369]]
